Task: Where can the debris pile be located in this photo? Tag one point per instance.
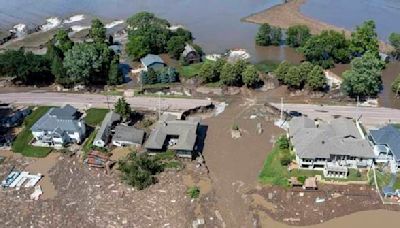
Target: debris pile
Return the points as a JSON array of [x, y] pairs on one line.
[[97, 159]]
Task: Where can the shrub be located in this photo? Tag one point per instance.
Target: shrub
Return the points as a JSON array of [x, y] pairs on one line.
[[285, 158], [193, 192], [283, 142], [301, 179]]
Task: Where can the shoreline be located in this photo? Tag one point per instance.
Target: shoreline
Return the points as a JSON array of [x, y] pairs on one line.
[[288, 14]]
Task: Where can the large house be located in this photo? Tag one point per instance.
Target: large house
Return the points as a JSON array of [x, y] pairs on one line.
[[386, 142], [172, 134], [151, 61], [59, 126], [104, 132], [332, 147]]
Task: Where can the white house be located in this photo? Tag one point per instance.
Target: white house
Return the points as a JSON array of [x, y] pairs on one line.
[[59, 126], [103, 134]]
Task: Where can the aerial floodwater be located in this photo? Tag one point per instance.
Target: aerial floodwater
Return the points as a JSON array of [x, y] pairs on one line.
[[350, 13], [215, 24]]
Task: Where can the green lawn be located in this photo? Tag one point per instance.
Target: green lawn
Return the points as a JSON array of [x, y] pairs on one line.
[[273, 173], [95, 116], [21, 142], [190, 71]]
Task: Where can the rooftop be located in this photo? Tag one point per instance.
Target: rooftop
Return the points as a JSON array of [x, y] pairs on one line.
[[388, 135], [151, 59], [110, 118], [128, 134], [64, 118], [339, 137], [185, 132]]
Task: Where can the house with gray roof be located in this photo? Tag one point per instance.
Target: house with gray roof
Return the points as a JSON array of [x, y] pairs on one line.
[[59, 126], [172, 134], [332, 147], [152, 61], [127, 136], [190, 55], [103, 134], [386, 142]]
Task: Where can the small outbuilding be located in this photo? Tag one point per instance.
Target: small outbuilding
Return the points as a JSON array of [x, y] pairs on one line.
[[151, 61], [127, 136], [310, 183], [190, 55]]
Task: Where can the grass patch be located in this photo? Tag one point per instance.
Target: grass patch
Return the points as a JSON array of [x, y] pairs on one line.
[[95, 116], [266, 66], [168, 160], [190, 71], [382, 178], [87, 146], [21, 142], [353, 175], [193, 192], [273, 172], [305, 173]]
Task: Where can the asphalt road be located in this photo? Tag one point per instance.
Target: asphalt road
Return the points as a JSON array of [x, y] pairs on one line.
[[101, 101], [370, 116]]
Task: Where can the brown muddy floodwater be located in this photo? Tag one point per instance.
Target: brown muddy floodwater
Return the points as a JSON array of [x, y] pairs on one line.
[[387, 98]]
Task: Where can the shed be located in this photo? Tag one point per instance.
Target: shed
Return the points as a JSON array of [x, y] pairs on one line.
[[310, 183], [190, 54]]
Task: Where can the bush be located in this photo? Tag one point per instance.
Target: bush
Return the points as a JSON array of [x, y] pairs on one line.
[[139, 170], [301, 179], [285, 158], [193, 192], [283, 142]]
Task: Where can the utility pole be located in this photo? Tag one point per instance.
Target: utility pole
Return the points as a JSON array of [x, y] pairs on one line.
[[282, 108], [159, 106]]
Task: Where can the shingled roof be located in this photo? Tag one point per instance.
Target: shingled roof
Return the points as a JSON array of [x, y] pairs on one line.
[[184, 130], [339, 137], [151, 59], [389, 136], [63, 118]]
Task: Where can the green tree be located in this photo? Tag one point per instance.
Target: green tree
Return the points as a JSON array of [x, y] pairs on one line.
[[394, 40], [152, 76], [316, 79], [293, 78], [123, 108], [305, 69], [208, 72], [364, 39], [396, 85], [297, 35], [250, 76], [276, 36], [327, 48], [138, 47], [219, 64], [175, 46], [115, 73], [97, 31], [62, 40], [364, 77], [187, 35], [263, 35], [144, 19], [87, 63], [139, 170], [27, 68], [281, 71], [229, 75], [283, 142]]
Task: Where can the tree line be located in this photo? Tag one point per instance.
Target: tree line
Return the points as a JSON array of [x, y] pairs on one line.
[[330, 47], [230, 74]]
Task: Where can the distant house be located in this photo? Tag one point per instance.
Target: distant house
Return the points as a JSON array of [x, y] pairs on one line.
[[104, 132], [151, 61], [190, 55], [331, 147], [386, 142], [127, 136], [173, 134], [59, 126]]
